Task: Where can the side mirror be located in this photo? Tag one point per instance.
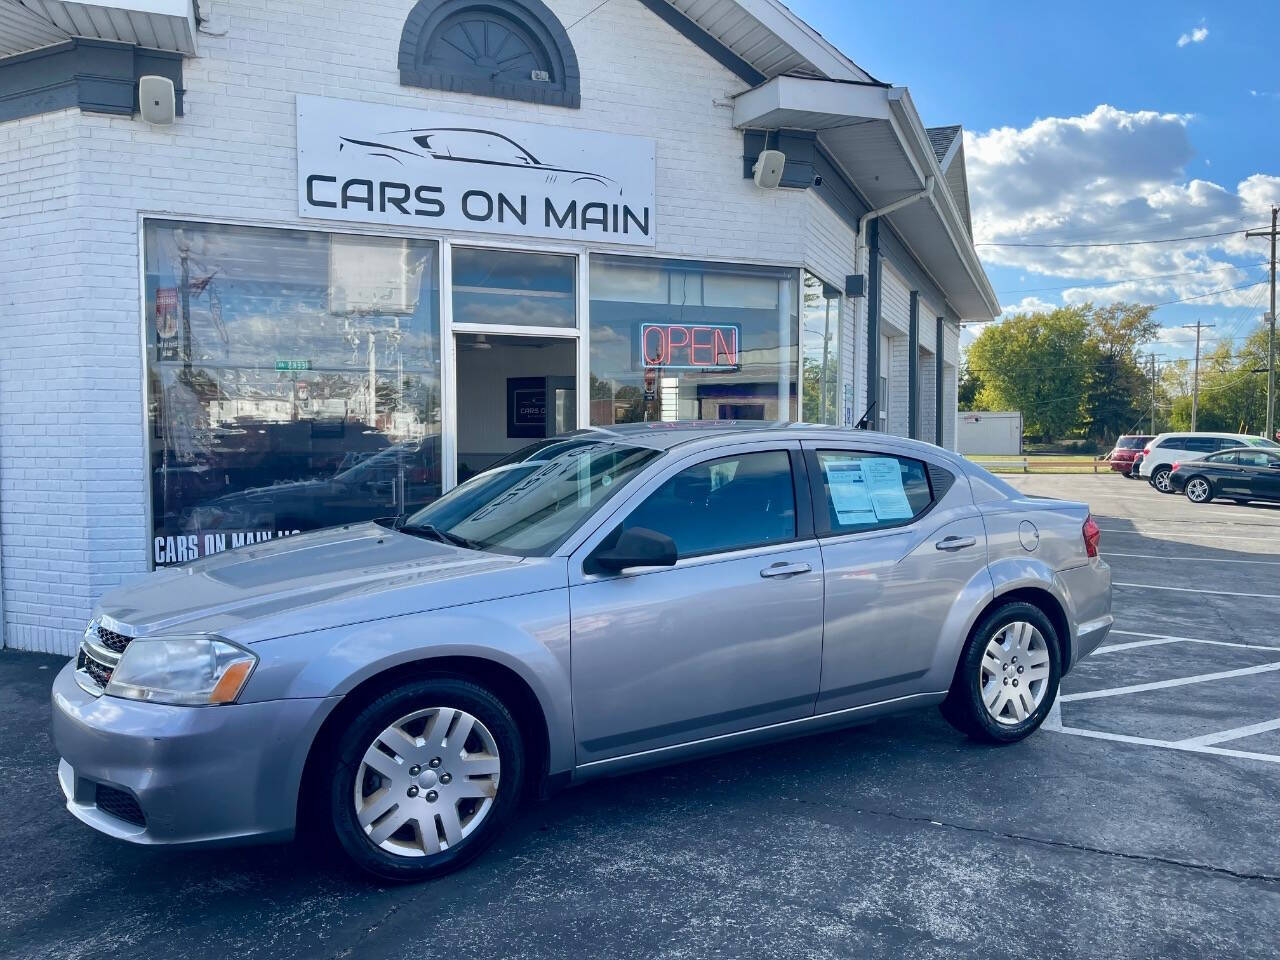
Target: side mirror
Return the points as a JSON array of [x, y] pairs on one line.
[[636, 547]]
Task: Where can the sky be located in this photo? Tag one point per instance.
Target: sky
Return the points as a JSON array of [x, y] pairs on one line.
[[1093, 123]]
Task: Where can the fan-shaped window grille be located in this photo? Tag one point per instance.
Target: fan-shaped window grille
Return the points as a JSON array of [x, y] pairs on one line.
[[514, 49]]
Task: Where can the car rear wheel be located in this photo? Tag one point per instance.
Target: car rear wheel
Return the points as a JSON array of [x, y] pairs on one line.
[[424, 778], [1198, 490], [1160, 480], [1007, 678]]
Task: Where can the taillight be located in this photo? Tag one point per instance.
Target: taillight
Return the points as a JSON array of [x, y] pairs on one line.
[[1174, 466], [1146, 451], [1091, 536]]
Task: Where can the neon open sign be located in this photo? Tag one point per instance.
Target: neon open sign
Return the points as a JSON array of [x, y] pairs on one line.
[[690, 346]]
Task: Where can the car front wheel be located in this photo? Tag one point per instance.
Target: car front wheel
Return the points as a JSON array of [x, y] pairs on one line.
[[1160, 480], [424, 778], [1007, 678], [1198, 490]]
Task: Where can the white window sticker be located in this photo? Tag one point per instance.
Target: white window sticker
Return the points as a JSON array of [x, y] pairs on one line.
[[884, 483], [849, 493]]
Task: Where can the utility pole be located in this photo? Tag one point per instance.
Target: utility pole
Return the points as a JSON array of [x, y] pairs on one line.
[[1152, 358], [1195, 379], [1271, 324]]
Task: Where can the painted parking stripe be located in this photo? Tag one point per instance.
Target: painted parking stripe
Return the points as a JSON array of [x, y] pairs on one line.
[[1216, 593], [1132, 644], [1165, 684], [1167, 744], [1157, 556], [1184, 534], [1235, 734], [1216, 643]]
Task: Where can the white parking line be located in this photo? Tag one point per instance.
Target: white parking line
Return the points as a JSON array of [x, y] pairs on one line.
[[1166, 744], [1165, 684], [1235, 734], [1217, 593], [1161, 636], [1184, 534], [1156, 556], [1154, 642]]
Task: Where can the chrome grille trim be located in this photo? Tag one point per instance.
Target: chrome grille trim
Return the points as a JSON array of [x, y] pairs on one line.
[[99, 654]]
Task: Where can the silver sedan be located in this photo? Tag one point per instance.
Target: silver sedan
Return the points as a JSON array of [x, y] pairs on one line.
[[596, 603]]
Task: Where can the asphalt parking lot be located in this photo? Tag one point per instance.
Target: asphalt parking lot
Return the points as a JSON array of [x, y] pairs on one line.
[[1140, 823]]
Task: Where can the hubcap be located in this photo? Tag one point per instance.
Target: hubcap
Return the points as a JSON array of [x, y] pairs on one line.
[[427, 782], [1162, 480], [1198, 489], [1015, 673]]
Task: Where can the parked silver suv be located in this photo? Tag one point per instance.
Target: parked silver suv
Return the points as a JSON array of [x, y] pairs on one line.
[[598, 602]]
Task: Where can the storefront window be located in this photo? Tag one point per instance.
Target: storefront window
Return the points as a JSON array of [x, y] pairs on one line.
[[293, 382], [820, 336], [685, 340], [505, 287]]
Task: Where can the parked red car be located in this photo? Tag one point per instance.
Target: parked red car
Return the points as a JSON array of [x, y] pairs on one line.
[[1126, 449]]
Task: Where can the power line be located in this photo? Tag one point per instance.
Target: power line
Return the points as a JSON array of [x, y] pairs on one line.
[[1117, 243], [1090, 233]]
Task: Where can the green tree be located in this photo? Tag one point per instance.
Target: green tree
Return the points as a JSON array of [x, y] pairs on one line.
[[1116, 383], [968, 387], [1036, 363], [1233, 397]]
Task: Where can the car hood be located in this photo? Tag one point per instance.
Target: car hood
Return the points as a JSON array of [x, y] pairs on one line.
[[318, 580]]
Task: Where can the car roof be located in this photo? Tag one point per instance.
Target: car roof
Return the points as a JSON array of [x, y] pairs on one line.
[[664, 435], [1202, 433]]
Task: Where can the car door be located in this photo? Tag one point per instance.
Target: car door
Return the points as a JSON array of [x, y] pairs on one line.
[[1258, 480], [728, 639], [901, 542]]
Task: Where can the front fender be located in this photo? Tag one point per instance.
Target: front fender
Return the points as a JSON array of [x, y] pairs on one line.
[[527, 634]]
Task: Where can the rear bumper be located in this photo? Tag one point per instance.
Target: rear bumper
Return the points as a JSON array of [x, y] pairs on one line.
[[1087, 590], [1177, 481], [197, 774]]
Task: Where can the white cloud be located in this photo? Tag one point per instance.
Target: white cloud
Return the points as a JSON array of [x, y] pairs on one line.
[[1110, 176], [1030, 304], [1198, 35]]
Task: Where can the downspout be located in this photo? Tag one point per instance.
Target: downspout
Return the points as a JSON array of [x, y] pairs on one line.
[[873, 322]]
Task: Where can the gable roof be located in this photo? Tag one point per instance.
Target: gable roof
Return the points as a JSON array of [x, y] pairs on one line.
[[942, 138]]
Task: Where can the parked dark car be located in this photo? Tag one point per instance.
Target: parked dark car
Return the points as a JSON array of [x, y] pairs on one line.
[[1240, 474], [1126, 449]]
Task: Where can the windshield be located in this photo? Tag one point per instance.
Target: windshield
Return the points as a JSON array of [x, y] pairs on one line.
[[1131, 443], [1262, 442], [530, 502]]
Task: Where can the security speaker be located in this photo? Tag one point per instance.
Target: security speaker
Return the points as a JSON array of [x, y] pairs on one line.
[[157, 100], [768, 168]]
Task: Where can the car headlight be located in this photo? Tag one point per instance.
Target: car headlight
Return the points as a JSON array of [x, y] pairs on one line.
[[184, 671]]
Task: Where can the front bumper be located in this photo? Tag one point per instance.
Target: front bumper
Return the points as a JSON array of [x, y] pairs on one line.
[[198, 774]]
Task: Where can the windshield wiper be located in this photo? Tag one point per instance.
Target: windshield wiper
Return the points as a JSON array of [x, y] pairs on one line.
[[435, 533]]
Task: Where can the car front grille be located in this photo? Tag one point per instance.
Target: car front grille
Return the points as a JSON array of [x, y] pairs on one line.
[[100, 651], [120, 805]]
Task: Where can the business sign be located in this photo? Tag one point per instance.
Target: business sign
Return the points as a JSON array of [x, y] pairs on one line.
[[689, 346], [526, 407], [371, 163]]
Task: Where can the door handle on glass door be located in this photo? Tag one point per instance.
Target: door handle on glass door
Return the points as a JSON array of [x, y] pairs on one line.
[[785, 569], [956, 543]]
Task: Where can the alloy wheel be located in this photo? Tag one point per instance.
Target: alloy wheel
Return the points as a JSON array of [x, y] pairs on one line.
[[1161, 480], [427, 782], [1015, 673], [1197, 490]]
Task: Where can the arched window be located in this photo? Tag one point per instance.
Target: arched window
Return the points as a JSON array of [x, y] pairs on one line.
[[514, 49]]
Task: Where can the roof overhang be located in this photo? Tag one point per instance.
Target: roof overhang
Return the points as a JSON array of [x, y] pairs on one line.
[[27, 25], [876, 137]]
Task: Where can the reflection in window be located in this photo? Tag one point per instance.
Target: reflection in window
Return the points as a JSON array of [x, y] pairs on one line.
[[504, 287], [293, 382], [820, 336], [686, 340]]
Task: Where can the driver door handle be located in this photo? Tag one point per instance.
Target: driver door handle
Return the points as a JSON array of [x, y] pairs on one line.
[[785, 570], [956, 543]]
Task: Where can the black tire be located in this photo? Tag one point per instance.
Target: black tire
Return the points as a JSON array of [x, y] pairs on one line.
[[964, 708], [1187, 489], [1157, 474], [370, 722]]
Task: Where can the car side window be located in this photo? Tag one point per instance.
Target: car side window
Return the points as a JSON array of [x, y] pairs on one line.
[[868, 491], [1221, 458], [731, 503], [1254, 458], [1199, 445]]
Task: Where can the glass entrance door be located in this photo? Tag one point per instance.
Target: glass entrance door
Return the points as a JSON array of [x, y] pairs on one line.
[[511, 390]]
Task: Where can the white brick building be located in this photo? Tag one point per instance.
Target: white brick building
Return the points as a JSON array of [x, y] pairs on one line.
[[201, 329]]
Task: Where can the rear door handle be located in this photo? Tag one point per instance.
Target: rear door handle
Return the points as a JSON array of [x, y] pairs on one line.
[[785, 569], [956, 543]]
